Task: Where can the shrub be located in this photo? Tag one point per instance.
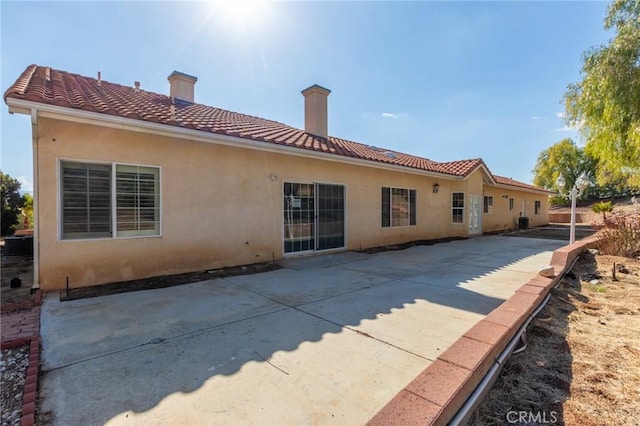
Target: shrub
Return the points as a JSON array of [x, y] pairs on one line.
[[559, 201], [621, 236], [603, 207]]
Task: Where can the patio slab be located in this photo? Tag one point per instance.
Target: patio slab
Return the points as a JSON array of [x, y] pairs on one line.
[[324, 341]]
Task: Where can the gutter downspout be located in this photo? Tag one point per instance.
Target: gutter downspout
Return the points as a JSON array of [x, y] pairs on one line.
[[478, 395], [36, 221]]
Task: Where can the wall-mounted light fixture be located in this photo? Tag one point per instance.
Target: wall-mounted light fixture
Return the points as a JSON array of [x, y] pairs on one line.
[[273, 177], [436, 188]]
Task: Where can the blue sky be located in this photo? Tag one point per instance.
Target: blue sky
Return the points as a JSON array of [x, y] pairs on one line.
[[442, 80]]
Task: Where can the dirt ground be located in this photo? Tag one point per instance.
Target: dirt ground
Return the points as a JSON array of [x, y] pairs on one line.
[[581, 363], [554, 232], [584, 209], [165, 281], [16, 267]]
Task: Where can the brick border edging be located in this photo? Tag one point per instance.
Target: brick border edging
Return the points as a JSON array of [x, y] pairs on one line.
[[436, 395], [30, 391], [36, 300]]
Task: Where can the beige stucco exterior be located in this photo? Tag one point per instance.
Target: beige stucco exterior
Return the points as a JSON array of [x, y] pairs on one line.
[[502, 217], [223, 205]]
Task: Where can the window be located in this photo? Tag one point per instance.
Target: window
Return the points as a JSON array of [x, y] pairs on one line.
[[457, 207], [488, 204], [398, 207], [86, 206], [512, 203], [137, 201], [90, 191], [537, 207]]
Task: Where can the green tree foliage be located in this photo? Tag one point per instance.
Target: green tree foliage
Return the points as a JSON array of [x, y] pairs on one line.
[[27, 210], [606, 103], [603, 207], [11, 202], [563, 158]]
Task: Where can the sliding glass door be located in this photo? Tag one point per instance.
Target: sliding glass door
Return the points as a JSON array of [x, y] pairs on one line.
[[313, 217]]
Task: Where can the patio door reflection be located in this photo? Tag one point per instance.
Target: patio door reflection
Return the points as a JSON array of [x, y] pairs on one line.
[[313, 217]]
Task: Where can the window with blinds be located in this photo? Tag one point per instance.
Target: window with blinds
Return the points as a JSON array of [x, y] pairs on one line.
[[100, 198], [398, 207], [86, 200]]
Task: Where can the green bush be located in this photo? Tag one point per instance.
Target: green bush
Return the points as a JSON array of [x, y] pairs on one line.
[[621, 236], [559, 201], [603, 207]]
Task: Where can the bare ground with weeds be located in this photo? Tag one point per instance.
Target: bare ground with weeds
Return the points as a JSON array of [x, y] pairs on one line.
[[581, 365]]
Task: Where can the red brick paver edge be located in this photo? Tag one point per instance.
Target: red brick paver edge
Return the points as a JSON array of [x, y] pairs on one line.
[[28, 335], [438, 393]]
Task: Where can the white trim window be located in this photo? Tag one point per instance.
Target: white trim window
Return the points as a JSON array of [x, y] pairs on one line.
[[537, 207], [457, 207], [488, 204], [512, 203], [97, 199], [398, 207]]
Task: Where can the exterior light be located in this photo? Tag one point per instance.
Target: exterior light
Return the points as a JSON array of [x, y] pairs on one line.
[[583, 182], [561, 183], [436, 188], [580, 185]]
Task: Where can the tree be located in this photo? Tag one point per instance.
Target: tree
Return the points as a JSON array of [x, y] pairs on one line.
[[603, 207], [564, 158], [606, 103], [11, 202], [26, 212]]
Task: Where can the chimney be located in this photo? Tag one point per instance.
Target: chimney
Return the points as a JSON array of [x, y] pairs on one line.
[[315, 110], [181, 86]]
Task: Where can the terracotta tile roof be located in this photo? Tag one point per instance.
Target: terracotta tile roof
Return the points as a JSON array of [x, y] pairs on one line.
[[501, 180], [63, 89], [463, 167]]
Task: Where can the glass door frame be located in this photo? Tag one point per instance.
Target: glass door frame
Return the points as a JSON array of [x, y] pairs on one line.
[[314, 249]]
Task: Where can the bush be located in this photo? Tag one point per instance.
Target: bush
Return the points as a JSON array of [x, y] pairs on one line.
[[559, 201], [603, 207], [621, 236]]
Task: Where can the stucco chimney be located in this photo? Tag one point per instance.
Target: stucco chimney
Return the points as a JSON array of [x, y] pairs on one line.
[[315, 110], [181, 86]]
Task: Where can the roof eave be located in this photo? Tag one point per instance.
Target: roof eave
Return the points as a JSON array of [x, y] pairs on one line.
[[520, 188], [88, 117]]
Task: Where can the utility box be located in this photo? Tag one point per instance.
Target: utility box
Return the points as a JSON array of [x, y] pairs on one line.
[[523, 222], [18, 246]]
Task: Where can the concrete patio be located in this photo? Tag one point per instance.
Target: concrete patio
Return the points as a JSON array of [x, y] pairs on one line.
[[326, 340]]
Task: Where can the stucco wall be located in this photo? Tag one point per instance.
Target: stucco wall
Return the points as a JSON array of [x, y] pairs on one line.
[[502, 218], [219, 205]]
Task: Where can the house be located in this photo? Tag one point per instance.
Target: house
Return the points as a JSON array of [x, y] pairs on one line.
[[131, 184]]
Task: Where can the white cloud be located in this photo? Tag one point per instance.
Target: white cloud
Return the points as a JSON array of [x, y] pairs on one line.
[[570, 128], [25, 184], [535, 117], [395, 115]]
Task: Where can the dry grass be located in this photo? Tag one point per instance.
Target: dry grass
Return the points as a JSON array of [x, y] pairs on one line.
[[582, 360]]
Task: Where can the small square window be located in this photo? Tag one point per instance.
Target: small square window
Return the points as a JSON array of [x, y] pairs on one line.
[[457, 207], [488, 204]]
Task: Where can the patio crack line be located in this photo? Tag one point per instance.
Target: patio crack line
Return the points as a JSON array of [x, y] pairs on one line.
[[156, 341], [362, 333], [344, 326]]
